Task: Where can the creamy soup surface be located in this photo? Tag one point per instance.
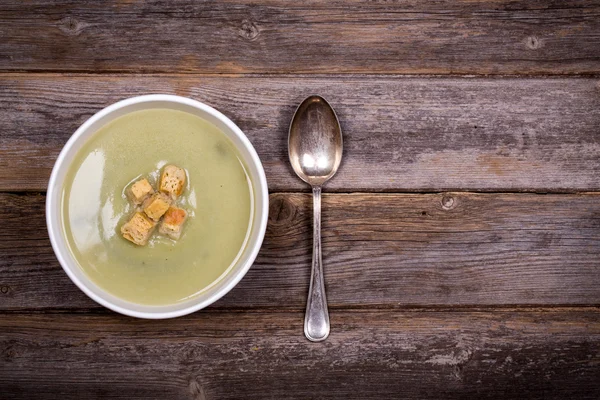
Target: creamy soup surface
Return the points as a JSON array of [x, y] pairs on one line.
[[217, 197]]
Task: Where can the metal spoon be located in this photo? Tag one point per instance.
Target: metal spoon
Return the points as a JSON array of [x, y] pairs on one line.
[[315, 151]]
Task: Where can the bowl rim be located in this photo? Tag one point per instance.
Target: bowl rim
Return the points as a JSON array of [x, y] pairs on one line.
[[52, 207]]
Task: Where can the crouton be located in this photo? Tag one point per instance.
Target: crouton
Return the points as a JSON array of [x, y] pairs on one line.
[[172, 222], [139, 191], [172, 181], [156, 205], [138, 229]]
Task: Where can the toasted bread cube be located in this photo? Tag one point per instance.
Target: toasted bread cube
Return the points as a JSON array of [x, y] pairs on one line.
[[139, 191], [172, 223], [138, 229], [156, 205], [172, 181]]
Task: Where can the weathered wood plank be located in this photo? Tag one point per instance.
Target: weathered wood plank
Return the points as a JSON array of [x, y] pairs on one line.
[[409, 134], [378, 250], [275, 36], [369, 355]]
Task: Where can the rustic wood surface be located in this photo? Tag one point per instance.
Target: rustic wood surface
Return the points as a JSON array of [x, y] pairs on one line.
[[276, 36], [461, 236], [401, 134], [381, 250], [369, 355]]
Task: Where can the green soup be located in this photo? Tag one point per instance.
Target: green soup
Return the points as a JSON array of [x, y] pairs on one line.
[[218, 199]]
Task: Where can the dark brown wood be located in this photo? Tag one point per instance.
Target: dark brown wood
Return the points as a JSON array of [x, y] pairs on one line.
[[378, 251], [400, 133], [370, 355], [444, 293], [247, 36]]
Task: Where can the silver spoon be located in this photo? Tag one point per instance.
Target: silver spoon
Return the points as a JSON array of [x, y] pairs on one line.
[[315, 151]]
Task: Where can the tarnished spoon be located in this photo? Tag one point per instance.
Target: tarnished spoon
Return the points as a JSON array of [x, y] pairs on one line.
[[315, 151]]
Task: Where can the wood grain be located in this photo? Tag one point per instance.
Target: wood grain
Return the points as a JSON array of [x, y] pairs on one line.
[[452, 249], [276, 36], [400, 134], [369, 355], [443, 293]]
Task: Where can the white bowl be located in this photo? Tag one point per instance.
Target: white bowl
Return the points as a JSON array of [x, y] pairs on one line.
[[75, 143]]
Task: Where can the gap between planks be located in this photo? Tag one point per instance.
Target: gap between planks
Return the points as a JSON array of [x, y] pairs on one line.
[[258, 75], [371, 309], [326, 191]]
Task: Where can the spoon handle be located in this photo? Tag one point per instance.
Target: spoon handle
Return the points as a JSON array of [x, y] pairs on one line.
[[316, 320]]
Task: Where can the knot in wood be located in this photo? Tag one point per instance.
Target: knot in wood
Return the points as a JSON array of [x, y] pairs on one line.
[[533, 43], [281, 211], [4, 289], [248, 30], [448, 202], [70, 26], [196, 390], [11, 350]]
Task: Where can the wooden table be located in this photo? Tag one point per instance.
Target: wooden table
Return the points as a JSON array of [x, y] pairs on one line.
[[461, 236]]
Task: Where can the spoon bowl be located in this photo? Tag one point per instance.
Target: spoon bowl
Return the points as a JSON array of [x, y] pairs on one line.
[[315, 141]]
